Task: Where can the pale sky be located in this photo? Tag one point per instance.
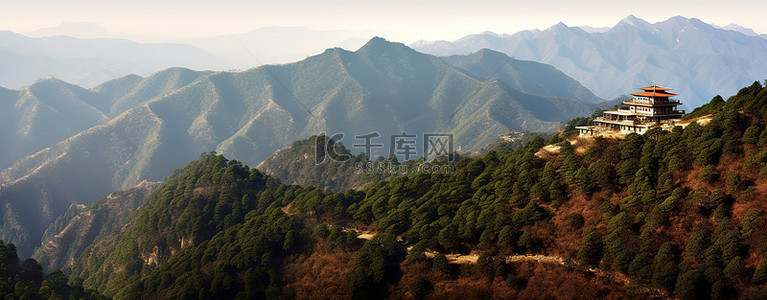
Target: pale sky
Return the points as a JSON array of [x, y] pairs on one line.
[[396, 20]]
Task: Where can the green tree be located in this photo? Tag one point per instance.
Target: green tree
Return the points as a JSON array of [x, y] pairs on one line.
[[374, 264], [322, 231], [640, 265], [734, 181], [583, 180], [734, 267], [420, 287], [439, 263], [506, 237], [526, 241], [484, 263], [664, 267], [760, 274], [591, 249], [617, 238], [691, 285], [709, 174], [698, 242], [448, 236]]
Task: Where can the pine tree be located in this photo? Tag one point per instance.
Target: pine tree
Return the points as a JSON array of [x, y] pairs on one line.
[[420, 287], [760, 275], [690, 285], [664, 267], [439, 263], [506, 237], [591, 249]]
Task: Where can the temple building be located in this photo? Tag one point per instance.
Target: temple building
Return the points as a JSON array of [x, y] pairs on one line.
[[649, 108]]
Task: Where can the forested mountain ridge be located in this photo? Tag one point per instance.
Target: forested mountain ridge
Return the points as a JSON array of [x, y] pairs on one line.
[[298, 165], [159, 123], [209, 204], [679, 211], [66, 239]]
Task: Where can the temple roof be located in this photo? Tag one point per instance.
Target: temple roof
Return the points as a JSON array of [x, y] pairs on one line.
[[653, 94], [654, 88]]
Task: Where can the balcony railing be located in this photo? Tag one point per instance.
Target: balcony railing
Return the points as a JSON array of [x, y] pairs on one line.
[[650, 100]]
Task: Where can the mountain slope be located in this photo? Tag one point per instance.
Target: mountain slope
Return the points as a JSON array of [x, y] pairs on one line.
[[51, 110], [526, 76], [43, 114], [676, 214], [697, 59], [209, 200], [66, 239], [203, 234], [165, 120]]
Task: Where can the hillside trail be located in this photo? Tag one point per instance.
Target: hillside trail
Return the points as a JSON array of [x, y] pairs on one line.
[[471, 259]]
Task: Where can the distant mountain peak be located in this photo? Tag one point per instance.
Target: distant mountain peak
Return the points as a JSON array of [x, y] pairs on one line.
[[738, 28], [378, 39], [677, 23], [490, 33], [485, 51], [489, 54], [559, 26], [48, 80], [634, 21], [378, 43], [631, 18], [678, 19]]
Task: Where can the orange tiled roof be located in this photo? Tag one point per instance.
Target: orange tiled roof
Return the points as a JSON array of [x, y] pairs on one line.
[[653, 94], [654, 88]]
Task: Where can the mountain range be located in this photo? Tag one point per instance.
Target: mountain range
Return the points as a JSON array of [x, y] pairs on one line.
[[88, 62], [87, 55], [133, 129], [697, 59]]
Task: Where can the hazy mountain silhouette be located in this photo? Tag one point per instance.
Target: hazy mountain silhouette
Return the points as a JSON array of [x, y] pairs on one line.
[[88, 62], [697, 59]]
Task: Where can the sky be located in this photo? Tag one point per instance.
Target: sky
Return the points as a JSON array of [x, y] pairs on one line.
[[398, 20]]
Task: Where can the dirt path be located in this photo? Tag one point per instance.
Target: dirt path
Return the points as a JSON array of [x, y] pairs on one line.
[[471, 259]]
